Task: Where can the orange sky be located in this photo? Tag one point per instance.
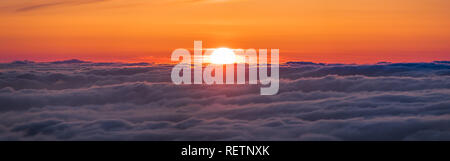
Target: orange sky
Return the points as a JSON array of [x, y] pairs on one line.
[[330, 31]]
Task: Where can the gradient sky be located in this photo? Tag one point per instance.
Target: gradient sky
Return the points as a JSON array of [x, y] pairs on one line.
[[331, 31]]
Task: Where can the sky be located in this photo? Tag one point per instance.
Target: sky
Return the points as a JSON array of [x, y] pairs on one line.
[[328, 31]]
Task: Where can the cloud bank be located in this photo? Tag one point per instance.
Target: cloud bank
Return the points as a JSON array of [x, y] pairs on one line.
[[78, 100]]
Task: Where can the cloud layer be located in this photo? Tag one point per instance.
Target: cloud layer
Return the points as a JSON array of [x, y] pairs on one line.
[[77, 100]]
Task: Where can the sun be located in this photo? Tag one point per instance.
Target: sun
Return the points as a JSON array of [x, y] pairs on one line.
[[222, 56]]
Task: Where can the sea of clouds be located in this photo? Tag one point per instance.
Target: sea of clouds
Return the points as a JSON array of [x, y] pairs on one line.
[[78, 100]]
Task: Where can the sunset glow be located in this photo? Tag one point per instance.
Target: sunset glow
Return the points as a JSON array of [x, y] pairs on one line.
[[222, 56], [347, 31]]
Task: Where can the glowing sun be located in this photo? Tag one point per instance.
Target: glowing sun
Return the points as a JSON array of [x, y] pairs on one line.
[[222, 56]]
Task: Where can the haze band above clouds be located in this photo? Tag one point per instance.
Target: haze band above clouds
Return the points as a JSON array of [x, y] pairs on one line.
[[77, 100]]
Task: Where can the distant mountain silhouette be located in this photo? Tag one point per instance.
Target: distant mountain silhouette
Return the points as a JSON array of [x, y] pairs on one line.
[[303, 63], [71, 61], [24, 62]]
